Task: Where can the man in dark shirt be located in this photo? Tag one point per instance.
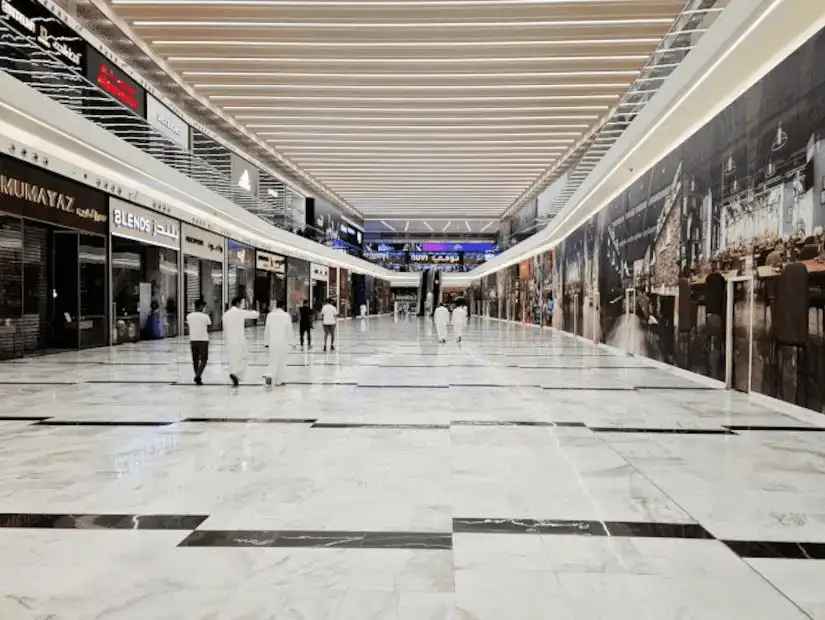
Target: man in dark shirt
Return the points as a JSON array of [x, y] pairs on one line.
[[305, 323]]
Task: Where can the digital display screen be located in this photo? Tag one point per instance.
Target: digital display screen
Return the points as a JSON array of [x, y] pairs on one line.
[[114, 82]]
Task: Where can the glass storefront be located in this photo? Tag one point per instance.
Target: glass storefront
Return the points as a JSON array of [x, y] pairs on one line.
[[203, 262], [270, 280], [52, 262], [320, 286], [145, 251], [344, 292], [297, 285], [240, 266]]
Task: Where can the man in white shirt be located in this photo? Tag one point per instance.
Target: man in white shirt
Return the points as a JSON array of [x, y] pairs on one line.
[[329, 317], [199, 324], [278, 336], [234, 331], [459, 319]]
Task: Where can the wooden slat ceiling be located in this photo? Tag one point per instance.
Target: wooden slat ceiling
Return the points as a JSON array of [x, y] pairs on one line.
[[430, 108]]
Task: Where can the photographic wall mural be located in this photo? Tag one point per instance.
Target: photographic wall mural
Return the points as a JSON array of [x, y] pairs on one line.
[[736, 210]]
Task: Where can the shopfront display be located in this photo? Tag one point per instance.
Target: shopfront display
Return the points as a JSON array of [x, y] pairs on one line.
[[52, 262], [297, 285], [240, 272], [344, 293], [270, 280], [114, 81], [145, 271], [203, 265], [319, 285]]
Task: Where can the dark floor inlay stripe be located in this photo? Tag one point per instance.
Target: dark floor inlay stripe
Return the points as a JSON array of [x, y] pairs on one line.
[[663, 431], [517, 423], [640, 529], [51, 422], [588, 389], [528, 526], [385, 426], [757, 427], [23, 418], [101, 521], [637, 529], [402, 387], [252, 420], [46, 383], [129, 382], [318, 539], [769, 549]]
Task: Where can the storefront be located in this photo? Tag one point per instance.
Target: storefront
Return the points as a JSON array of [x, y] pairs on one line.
[[270, 280], [320, 286], [52, 262], [344, 293], [203, 265], [297, 285], [145, 273], [240, 270]]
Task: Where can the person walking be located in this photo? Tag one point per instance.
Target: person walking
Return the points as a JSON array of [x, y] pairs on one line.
[[329, 318], [278, 337], [459, 318], [306, 316], [199, 324], [234, 329], [441, 316]]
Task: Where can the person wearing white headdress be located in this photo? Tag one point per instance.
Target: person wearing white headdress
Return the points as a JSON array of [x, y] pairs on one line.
[[441, 317]]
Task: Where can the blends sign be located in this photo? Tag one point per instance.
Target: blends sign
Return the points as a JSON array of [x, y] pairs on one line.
[[133, 222]]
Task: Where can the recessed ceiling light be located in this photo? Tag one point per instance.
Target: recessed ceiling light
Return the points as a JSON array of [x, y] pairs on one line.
[[410, 76], [457, 99], [388, 226], [426, 25], [446, 226], [543, 60], [427, 225], [434, 111], [390, 44]]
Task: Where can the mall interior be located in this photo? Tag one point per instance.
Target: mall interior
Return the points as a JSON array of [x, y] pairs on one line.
[[574, 255]]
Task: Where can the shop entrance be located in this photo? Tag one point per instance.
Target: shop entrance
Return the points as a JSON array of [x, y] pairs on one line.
[[60, 302], [319, 295]]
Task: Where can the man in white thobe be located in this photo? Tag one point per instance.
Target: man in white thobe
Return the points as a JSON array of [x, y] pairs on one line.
[[441, 316], [459, 320], [234, 331], [278, 336]]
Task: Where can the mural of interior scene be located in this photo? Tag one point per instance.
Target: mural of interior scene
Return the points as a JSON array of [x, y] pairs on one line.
[[714, 259]]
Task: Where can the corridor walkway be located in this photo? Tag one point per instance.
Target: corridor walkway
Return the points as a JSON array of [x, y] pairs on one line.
[[522, 475]]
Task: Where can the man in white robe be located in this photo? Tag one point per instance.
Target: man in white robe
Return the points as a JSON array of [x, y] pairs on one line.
[[279, 337], [234, 331], [441, 316], [459, 319]]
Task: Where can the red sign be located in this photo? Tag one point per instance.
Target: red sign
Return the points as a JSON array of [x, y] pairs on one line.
[[117, 88]]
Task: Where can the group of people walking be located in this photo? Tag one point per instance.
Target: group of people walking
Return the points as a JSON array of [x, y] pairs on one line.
[[279, 337], [442, 317]]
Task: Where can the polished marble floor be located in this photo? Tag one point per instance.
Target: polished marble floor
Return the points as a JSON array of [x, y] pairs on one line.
[[519, 475]]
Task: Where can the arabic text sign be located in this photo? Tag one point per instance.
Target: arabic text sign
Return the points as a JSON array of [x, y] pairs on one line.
[[133, 222]]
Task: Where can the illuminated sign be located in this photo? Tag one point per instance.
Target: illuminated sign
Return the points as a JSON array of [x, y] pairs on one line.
[[114, 82], [50, 33], [133, 222], [169, 124]]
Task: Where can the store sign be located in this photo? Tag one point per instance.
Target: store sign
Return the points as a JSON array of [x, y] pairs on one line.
[[114, 82], [244, 174], [202, 244], [32, 192], [133, 222], [167, 122], [49, 32], [320, 272], [270, 262]]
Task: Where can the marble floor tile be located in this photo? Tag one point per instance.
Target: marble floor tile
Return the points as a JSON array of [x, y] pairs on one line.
[[398, 445]]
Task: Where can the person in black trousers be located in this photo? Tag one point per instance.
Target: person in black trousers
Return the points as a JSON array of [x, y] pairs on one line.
[[199, 324], [305, 316]]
